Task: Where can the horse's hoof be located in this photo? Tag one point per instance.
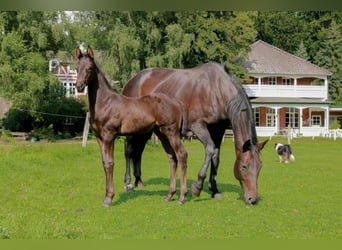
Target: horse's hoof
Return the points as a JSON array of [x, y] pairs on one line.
[[181, 202], [104, 204], [139, 184], [169, 196], [107, 202], [195, 190], [129, 188], [217, 196], [167, 199]]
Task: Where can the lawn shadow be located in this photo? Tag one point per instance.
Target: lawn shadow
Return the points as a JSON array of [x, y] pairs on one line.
[[163, 191], [225, 188], [145, 191]]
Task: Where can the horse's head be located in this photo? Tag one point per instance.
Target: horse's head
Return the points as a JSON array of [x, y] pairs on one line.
[[246, 169], [85, 68]]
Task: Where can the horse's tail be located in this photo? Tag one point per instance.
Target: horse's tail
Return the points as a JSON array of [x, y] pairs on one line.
[[184, 125]]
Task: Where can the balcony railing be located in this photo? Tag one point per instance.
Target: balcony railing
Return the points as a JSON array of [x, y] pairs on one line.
[[304, 131], [299, 91]]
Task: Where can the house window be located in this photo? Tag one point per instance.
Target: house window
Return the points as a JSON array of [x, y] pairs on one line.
[[256, 113], [316, 120], [272, 80], [72, 91], [286, 81], [68, 121], [270, 117], [292, 118], [256, 80]]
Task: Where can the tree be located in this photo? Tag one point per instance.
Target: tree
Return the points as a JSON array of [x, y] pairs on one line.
[[24, 78], [22, 72], [187, 39], [132, 41], [302, 52], [25, 37], [316, 22], [329, 56], [282, 29], [34, 28]]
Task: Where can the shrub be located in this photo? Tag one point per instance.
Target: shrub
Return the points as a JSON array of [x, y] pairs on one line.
[[44, 133], [17, 120], [335, 125], [6, 136]]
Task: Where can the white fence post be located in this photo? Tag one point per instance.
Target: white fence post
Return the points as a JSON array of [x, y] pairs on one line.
[[85, 130]]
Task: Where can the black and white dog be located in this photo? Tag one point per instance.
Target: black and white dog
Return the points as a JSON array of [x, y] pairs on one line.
[[284, 152]]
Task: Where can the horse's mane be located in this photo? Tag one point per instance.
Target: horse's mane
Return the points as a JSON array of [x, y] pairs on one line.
[[240, 103], [101, 74]]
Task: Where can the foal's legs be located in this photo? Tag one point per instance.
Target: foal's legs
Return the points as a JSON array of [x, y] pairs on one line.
[[173, 164], [175, 149], [134, 147], [181, 155], [107, 152], [201, 131], [173, 173]]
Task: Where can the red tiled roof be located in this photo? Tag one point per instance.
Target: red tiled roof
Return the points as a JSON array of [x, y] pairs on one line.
[[267, 59]]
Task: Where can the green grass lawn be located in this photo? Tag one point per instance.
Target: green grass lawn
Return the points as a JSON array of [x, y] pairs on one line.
[[55, 191]]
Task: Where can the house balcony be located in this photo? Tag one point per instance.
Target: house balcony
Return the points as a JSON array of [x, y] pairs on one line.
[[295, 91]]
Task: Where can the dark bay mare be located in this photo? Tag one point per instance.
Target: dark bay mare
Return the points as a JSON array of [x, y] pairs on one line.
[[213, 100], [112, 114]]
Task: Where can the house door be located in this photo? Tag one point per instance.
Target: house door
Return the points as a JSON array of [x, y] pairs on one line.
[[292, 118], [270, 117]]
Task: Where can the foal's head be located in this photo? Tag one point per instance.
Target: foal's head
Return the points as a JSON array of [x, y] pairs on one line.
[[86, 68]]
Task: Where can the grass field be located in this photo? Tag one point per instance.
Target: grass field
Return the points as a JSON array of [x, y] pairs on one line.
[[55, 191]]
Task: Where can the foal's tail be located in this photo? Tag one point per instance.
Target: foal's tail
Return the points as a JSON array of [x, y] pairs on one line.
[[184, 125]]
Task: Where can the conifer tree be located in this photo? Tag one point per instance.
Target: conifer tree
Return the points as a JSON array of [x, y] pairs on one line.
[[329, 56]]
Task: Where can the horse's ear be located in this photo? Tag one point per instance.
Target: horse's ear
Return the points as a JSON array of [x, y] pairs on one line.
[[78, 53], [246, 146], [90, 53], [261, 145]]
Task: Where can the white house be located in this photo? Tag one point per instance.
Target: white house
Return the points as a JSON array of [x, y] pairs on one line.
[[286, 92], [66, 76]]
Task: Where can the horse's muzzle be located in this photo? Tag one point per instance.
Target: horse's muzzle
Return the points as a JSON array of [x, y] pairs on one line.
[[80, 86], [251, 200]]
